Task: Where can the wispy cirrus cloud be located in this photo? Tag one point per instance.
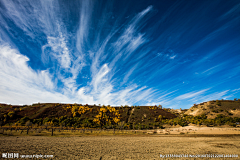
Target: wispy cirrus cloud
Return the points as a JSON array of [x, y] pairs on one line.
[[238, 89], [191, 94], [212, 96], [21, 84], [128, 74], [168, 55], [36, 86], [212, 70], [94, 52], [99, 89]]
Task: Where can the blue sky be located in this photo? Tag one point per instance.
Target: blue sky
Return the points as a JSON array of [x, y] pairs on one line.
[[173, 53]]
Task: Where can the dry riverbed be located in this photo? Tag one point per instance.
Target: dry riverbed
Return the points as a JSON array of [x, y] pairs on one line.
[[120, 147]]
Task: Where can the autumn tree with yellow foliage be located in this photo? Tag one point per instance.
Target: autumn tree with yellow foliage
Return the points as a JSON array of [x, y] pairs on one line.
[[78, 110], [107, 116]]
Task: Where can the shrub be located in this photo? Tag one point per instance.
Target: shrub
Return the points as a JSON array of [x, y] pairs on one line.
[[220, 116], [11, 114], [23, 120], [210, 106], [218, 103], [215, 111]]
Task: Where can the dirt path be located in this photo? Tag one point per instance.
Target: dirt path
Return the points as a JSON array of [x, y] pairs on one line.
[[119, 147]]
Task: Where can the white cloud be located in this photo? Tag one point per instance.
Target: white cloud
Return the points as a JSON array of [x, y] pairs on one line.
[[238, 89], [20, 84], [166, 56], [83, 30], [172, 57], [190, 94], [60, 50], [212, 96], [128, 74], [14, 65]]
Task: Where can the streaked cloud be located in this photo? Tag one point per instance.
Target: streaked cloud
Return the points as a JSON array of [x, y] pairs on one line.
[[91, 52], [191, 94], [238, 89]]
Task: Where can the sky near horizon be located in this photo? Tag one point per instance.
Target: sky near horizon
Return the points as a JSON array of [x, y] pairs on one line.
[[174, 53]]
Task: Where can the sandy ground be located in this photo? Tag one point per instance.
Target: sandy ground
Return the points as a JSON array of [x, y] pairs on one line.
[[120, 147], [199, 130]]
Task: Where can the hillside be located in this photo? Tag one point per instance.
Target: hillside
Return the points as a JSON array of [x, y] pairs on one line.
[[78, 114], [212, 113], [211, 109]]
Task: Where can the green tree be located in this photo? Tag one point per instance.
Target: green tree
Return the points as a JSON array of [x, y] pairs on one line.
[[11, 114], [23, 120]]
